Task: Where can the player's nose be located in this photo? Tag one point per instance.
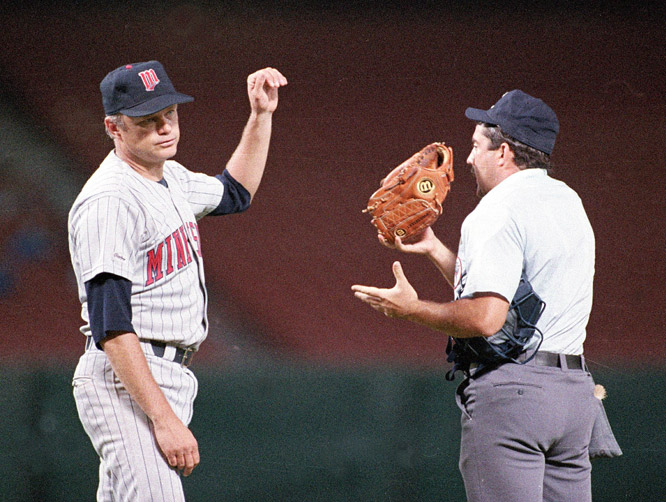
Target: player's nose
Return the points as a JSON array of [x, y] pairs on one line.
[[164, 126]]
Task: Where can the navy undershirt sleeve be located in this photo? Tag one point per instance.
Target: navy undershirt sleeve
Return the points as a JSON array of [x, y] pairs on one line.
[[109, 306], [235, 199]]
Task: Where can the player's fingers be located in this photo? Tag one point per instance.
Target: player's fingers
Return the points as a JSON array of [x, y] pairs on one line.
[[180, 461], [256, 80], [264, 77], [281, 78], [278, 78], [189, 464], [274, 78], [173, 460]]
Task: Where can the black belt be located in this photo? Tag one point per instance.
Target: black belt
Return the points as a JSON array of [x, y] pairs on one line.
[[550, 359], [179, 356], [182, 356], [554, 360]]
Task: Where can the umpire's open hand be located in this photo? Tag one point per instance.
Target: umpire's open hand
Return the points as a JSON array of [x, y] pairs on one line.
[[399, 301]]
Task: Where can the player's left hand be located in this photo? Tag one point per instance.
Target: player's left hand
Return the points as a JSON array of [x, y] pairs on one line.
[[399, 301], [262, 89]]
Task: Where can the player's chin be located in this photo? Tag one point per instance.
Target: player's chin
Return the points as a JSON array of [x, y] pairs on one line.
[[167, 150]]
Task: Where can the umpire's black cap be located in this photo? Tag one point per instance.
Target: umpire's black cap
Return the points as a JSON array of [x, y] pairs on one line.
[[523, 117], [139, 89]]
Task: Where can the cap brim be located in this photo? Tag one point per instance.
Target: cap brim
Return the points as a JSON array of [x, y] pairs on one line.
[[479, 115], [156, 104]]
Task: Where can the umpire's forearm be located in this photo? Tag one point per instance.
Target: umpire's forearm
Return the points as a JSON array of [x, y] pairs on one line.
[[468, 317], [445, 261], [248, 161]]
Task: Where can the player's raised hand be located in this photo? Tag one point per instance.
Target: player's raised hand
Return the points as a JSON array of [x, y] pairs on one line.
[[399, 301], [262, 89]]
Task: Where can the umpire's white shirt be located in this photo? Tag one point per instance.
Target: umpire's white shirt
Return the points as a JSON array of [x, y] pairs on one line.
[[533, 223], [124, 224]]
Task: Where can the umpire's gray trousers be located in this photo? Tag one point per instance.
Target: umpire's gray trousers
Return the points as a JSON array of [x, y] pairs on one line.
[[525, 434]]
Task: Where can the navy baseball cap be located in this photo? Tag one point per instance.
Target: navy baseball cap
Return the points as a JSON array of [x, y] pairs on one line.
[[523, 117], [139, 89]]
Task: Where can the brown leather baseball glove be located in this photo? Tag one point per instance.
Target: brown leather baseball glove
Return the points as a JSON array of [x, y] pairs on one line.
[[410, 198]]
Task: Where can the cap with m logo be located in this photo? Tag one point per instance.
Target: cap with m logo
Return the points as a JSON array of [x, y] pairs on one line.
[[149, 78], [139, 89]]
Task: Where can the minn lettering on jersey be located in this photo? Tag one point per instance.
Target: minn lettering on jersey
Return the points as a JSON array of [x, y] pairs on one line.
[[173, 253]]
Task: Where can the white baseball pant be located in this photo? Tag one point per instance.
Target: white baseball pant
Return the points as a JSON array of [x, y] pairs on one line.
[[132, 468]]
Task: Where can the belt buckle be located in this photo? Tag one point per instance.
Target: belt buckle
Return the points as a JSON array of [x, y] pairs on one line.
[[188, 353]]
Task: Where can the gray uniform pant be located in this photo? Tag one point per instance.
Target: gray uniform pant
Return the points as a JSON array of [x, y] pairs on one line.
[[525, 434]]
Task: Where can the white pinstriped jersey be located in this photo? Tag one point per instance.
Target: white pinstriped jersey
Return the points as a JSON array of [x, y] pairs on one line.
[[124, 224]]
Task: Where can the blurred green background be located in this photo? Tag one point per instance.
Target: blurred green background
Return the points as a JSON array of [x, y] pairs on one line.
[[298, 433]]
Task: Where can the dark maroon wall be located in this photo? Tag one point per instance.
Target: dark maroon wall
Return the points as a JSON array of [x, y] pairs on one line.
[[367, 88]]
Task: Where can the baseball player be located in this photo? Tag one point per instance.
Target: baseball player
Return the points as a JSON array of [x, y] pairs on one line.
[[526, 426], [137, 255]]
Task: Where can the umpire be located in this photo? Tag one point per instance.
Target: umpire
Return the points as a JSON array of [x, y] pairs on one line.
[[526, 427]]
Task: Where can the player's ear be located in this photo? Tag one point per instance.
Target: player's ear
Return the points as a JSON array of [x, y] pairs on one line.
[[113, 126]]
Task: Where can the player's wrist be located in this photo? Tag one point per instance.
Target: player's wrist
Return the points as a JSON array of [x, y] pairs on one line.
[[261, 113], [163, 418]]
